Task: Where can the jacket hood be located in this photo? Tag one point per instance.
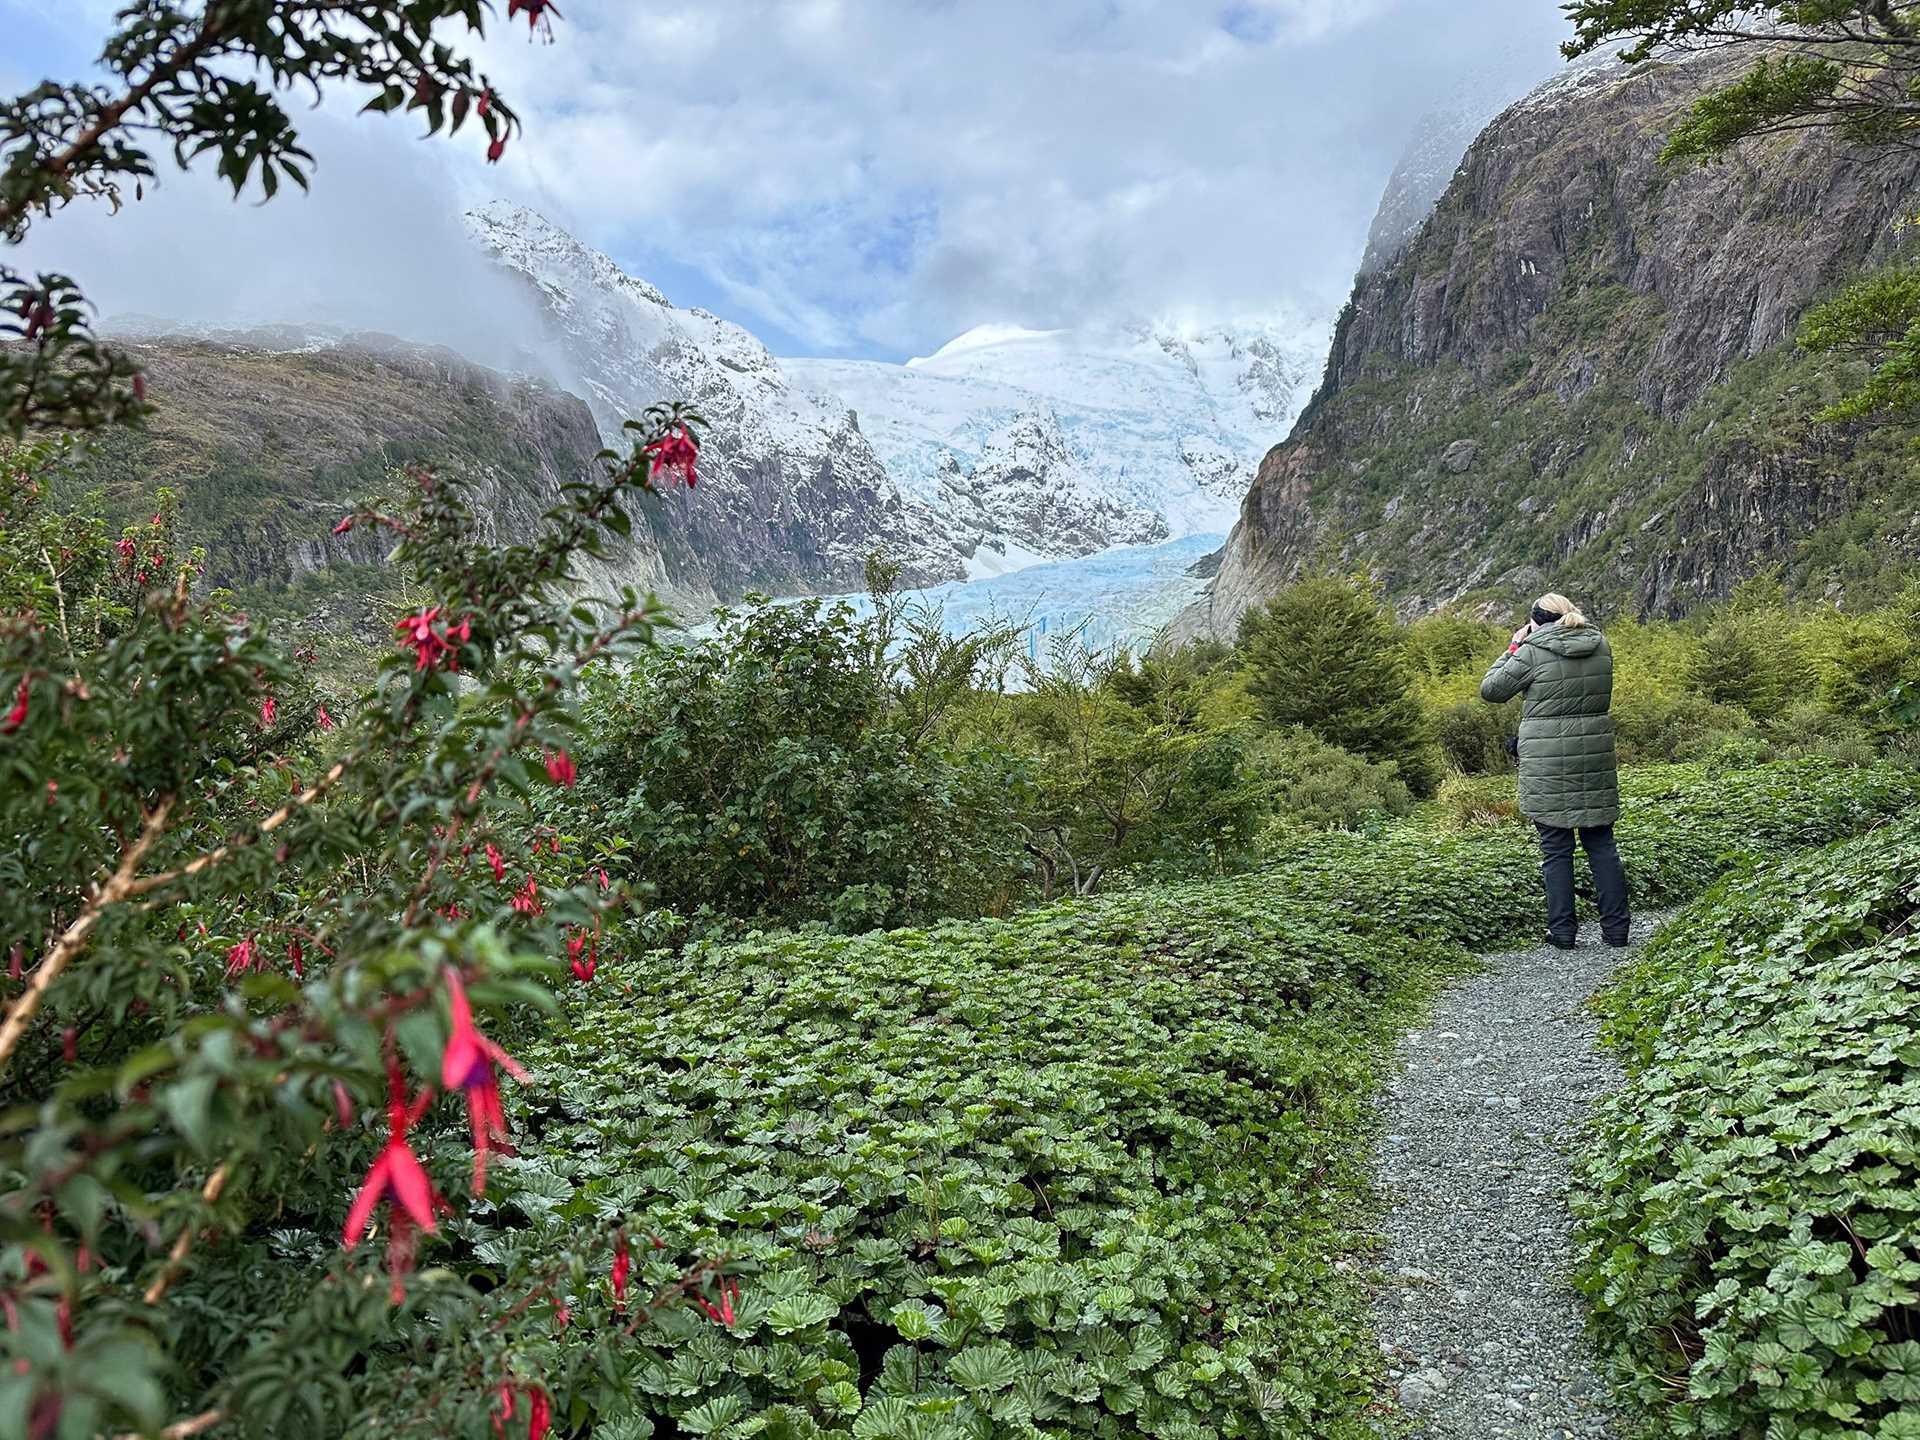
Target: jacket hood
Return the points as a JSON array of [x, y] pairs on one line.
[[1572, 643]]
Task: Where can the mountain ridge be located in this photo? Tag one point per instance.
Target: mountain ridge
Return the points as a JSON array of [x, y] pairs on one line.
[[1580, 375]]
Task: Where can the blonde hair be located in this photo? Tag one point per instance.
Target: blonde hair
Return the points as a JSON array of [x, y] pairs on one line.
[[1558, 604]]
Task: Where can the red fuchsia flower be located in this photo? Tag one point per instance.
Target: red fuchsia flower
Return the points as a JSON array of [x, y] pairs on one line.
[[583, 968], [244, 957], [539, 12], [428, 642], [322, 718], [497, 861], [526, 900], [674, 455], [346, 524], [156, 518], [496, 149], [468, 1065], [539, 1414], [17, 716], [126, 548], [721, 1314], [267, 708], [560, 768], [38, 314], [484, 104], [463, 632], [397, 1177], [600, 871], [297, 960], [622, 1267], [139, 387], [69, 1044]]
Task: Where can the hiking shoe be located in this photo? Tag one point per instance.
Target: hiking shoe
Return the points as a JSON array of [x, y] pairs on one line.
[[1563, 944], [1618, 942]]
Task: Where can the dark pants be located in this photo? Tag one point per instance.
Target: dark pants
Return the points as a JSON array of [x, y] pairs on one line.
[[1609, 880]]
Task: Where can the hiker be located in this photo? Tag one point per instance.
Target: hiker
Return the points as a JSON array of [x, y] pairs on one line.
[[1568, 780]]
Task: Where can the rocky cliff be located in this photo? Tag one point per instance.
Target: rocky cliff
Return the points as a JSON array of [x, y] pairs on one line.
[[267, 440], [1580, 372]]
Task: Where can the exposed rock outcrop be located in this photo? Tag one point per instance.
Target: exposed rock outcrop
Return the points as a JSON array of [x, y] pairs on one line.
[[268, 438], [1582, 369], [792, 498]]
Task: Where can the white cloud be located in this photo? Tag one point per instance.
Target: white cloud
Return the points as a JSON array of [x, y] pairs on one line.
[[881, 174]]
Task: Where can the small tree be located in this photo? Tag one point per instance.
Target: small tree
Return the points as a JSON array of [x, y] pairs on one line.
[[1326, 654], [1127, 770]]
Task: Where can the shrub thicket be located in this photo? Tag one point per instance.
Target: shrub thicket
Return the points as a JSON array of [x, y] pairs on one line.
[[799, 764], [1127, 766]]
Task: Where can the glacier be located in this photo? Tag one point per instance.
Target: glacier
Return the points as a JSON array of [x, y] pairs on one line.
[[1118, 598], [1158, 428]]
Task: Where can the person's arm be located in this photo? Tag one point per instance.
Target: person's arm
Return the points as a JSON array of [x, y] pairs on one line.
[[1508, 677]]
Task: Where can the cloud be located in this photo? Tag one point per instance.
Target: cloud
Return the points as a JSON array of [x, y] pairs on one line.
[[378, 245], [874, 176]]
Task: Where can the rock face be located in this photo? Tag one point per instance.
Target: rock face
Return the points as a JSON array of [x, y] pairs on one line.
[[269, 437], [1027, 494], [1052, 444], [792, 498], [1581, 371]]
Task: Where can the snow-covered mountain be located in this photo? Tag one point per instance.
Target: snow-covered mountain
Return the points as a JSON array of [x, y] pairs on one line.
[[792, 498], [1042, 445]]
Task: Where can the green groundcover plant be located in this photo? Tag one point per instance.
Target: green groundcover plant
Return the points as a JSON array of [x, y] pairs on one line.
[[1091, 1170], [1750, 1204]]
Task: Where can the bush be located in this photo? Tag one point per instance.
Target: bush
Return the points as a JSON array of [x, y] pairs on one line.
[[1326, 654], [1127, 766], [1750, 1205], [236, 923], [1467, 803], [795, 766], [1305, 783], [1473, 736]]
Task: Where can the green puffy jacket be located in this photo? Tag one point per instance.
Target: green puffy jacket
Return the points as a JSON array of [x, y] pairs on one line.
[[1568, 772]]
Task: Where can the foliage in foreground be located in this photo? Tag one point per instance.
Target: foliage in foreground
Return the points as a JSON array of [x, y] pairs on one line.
[[204, 79], [1085, 1171], [1750, 1206], [235, 923]]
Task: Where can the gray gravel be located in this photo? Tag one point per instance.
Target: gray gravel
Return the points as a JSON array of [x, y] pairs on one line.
[[1481, 1331]]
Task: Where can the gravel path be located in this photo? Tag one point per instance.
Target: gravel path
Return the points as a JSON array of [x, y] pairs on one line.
[[1481, 1331]]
